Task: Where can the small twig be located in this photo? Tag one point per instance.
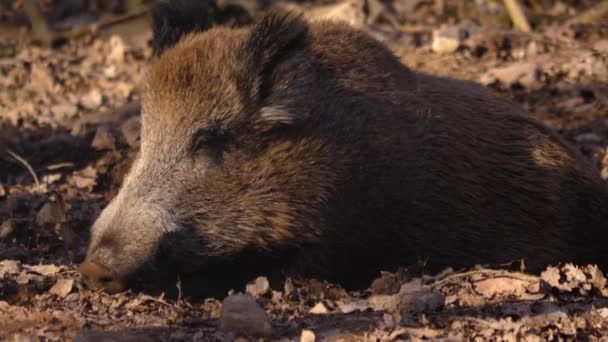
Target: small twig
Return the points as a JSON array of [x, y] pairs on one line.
[[517, 15], [26, 165], [59, 166], [179, 290]]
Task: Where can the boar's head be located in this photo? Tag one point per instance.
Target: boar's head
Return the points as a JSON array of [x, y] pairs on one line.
[[230, 162]]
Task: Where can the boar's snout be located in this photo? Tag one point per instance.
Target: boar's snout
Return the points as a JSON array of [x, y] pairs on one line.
[[99, 277]]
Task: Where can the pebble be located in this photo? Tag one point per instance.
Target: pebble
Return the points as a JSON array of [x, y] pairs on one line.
[[307, 336], [242, 316], [449, 39], [444, 44], [92, 100], [258, 287]]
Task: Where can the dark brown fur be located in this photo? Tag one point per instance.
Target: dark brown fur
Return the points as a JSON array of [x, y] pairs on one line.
[[310, 148]]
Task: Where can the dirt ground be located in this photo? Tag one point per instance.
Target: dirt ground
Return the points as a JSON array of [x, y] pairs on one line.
[[69, 130]]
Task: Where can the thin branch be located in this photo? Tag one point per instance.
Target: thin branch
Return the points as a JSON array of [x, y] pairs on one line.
[[26, 165], [517, 15]]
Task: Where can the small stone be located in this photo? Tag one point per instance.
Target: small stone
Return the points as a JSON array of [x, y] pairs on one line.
[[444, 44], [449, 39], [242, 316], [103, 140], [258, 287], [92, 100], [318, 309], [307, 336]]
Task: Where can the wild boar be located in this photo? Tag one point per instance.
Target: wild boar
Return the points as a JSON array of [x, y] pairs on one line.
[[309, 148]]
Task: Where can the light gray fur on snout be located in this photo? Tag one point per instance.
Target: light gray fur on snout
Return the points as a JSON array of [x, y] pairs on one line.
[[129, 230]]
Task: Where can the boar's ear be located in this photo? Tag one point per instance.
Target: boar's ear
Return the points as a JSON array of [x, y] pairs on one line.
[[172, 19], [276, 36]]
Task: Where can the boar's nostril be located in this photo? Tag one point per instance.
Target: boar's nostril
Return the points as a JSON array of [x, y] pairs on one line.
[[99, 277]]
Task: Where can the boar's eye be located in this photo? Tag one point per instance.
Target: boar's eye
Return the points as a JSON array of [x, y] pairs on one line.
[[210, 142]]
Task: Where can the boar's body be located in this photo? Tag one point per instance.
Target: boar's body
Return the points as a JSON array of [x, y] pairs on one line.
[[311, 149]]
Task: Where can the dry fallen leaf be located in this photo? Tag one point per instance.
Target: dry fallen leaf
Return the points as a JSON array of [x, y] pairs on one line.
[[501, 286], [318, 309], [62, 287], [46, 270], [356, 305], [103, 139], [9, 267], [85, 178], [6, 228]]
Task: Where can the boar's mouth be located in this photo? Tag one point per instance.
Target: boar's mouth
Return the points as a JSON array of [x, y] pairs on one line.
[[177, 270]]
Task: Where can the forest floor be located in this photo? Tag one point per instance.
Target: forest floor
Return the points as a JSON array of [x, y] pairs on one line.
[[69, 129]]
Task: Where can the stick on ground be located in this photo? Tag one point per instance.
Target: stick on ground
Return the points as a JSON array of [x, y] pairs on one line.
[[517, 15], [26, 165]]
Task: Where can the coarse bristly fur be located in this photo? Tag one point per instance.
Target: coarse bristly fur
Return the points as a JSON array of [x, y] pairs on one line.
[[310, 149]]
